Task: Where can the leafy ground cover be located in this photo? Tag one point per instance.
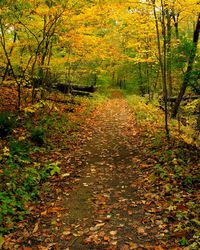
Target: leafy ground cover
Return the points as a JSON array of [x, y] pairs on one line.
[[31, 145], [112, 179], [174, 176]]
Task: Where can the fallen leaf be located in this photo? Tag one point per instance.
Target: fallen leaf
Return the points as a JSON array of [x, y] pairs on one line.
[[158, 248], [100, 225], [65, 175], [42, 248], [66, 233], [113, 233], [106, 238], [141, 230], [101, 234], [55, 209], [36, 227], [94, 228], [133, 246], [114, 243], [125, 247], [44, 213]]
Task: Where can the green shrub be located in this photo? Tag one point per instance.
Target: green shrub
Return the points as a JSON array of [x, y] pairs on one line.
[[7, 122], [20, 182], [19, 148], [49, 169], [38, 135]]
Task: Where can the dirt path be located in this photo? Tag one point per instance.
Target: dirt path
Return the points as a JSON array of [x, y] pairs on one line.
[[106, 206]]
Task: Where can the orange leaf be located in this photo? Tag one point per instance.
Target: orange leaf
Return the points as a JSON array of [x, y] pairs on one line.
[[106, 238], [55, 209]]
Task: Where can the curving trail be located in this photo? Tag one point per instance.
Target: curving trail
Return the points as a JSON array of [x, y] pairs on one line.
[[106, 208], [102, 203]]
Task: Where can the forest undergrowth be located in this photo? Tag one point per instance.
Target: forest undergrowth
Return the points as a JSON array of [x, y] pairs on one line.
[[32, 145], [174, 175]]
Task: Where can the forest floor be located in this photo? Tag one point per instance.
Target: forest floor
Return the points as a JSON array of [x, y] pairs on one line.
[[104, 200]]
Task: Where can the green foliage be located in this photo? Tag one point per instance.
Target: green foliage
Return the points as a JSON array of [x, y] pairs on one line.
[[175, 171], [143, 112], [19, 149], [34, 108], [20, 181], [38, 135], [159, 171], [7, 122], [181, 53], [174, 174], [188, 181], [184, 242], [131, 88], [50, 169], [195, 76], [191, 107]]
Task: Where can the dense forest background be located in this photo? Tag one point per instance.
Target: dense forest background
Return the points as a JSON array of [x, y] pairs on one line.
[[149, 47]]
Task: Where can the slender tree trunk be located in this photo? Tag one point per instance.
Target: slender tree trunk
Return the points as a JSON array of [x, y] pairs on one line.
[[155, 83], [3, 43], [165, 92], [113, 77], [175, 18], [141, 86], [95, 79], [188, 72], [43, 47], [169, 66], [162, 59], [7, 66], [148, 76]]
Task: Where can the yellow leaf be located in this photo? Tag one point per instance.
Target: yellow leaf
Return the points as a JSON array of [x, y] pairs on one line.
[[133, 246], [67, 233], [36, 227], [141, 230], [44, 213], [6, 151], [113, 233]]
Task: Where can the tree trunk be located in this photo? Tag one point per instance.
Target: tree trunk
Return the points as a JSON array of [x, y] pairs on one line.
[[7, 66], [176, 19], [169, 66], [162, 59], [189, 69], [3, 43]]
